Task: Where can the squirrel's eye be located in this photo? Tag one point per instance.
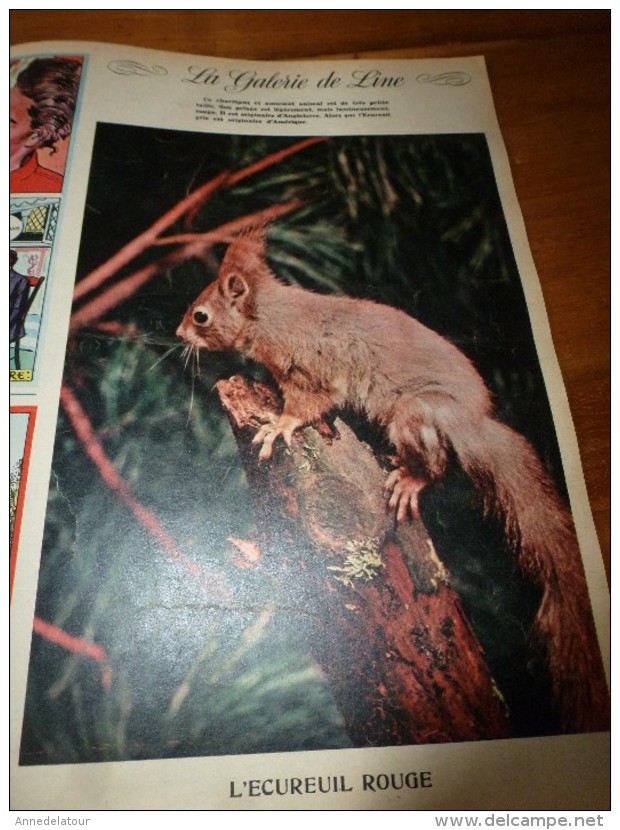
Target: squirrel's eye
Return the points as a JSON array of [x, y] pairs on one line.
[[200, 316]]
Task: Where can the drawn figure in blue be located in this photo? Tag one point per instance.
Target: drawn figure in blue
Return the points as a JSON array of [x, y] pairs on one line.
[[22, 292]]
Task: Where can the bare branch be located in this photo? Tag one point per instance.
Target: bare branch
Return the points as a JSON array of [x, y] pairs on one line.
[[193, 245], [189, 206]]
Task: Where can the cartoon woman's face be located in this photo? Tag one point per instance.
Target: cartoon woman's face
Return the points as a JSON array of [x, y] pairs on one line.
[[22, 138]]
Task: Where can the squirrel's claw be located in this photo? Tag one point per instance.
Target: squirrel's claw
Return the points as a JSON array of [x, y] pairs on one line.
[[285, 426], [403, 490], [266, 435]]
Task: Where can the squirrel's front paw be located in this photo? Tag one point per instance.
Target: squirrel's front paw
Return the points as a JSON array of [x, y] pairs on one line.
[[285, 426]]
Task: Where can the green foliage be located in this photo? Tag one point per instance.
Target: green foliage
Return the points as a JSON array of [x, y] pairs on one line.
[[188, 678]]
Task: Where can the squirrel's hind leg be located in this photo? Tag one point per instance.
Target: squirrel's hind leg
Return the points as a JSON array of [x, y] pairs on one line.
[[403, 490], [422, 449]]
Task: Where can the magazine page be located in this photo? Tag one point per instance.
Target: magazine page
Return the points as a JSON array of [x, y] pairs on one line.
[[297, 514]]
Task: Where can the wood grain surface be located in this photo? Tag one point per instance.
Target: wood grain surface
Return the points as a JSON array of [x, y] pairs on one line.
[[550, 74]]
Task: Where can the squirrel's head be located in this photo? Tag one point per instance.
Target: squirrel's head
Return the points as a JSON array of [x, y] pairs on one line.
[[219, 316]]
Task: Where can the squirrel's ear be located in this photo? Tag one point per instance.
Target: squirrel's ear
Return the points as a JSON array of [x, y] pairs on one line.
[[235, 288]]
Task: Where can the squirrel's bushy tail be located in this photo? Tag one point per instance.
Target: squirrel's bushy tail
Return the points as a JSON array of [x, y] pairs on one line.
[[517, 489]]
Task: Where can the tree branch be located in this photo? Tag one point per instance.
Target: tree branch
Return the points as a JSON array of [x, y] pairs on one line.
[[190, 245], [187, 206], [388, 631]]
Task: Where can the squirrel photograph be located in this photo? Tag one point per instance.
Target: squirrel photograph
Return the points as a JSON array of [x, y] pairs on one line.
[[307, 491], [327, 352]]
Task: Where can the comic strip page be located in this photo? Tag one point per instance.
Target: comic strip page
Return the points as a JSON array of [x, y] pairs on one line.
[[42, 95]]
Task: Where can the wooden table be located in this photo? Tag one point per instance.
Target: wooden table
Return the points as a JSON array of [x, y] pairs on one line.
[[550, 73]]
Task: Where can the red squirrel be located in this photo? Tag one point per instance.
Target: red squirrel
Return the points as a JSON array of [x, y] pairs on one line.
[[327, 351]]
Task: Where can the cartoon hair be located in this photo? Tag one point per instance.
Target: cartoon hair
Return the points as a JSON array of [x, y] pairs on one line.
[[52, 84]]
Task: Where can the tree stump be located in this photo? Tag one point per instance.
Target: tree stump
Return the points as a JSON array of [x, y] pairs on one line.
[[384, 624]]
